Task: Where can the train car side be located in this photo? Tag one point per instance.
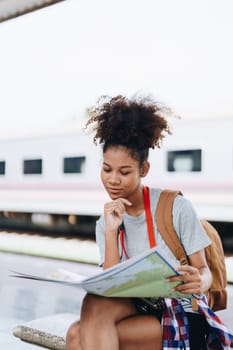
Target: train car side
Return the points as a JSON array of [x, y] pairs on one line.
[[59, 174]]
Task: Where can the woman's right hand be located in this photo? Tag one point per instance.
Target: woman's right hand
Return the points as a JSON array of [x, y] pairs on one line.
[[113, 213]]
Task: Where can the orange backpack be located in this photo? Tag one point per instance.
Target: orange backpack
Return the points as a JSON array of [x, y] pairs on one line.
[[217, 294]]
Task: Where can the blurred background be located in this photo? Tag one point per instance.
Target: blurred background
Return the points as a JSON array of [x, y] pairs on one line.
[[55, 62]]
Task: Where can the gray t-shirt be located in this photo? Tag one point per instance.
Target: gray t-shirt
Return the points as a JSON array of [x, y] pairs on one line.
[[185, 220]]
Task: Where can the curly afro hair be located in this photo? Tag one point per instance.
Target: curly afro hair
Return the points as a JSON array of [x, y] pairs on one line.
[[137, 123]]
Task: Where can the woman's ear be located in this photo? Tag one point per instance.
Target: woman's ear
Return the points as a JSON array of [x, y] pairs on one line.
[[145, 168]]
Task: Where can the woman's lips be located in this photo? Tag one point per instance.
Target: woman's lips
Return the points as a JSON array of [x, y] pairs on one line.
[[114, 190]]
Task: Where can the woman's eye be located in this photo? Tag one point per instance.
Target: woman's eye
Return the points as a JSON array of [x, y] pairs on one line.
[[106, 170], [125, 173]]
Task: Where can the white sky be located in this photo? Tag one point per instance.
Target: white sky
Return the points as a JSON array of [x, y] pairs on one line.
[[56, 61]]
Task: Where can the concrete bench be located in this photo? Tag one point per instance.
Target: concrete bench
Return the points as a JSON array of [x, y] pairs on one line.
[[48, 332]]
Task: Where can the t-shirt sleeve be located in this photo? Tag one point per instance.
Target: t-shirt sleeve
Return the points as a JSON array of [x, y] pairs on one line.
[[188, 226], [100, 239]]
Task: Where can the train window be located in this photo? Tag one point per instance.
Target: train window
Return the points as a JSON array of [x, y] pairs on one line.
[[184, 160], [2, 167], [32, 166], [73, 165]]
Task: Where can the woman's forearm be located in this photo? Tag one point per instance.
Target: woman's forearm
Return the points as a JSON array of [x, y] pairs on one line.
[[112, 256]]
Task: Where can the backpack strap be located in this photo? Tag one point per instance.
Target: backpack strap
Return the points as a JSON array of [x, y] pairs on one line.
[[164, 222]]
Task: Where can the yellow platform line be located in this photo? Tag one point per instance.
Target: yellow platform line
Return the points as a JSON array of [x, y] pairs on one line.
[[58, 248]]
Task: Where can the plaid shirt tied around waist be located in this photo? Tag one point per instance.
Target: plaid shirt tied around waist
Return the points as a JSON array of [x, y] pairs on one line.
[[176, 329]]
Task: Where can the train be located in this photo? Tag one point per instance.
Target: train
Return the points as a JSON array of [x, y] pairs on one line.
[[54, 177]]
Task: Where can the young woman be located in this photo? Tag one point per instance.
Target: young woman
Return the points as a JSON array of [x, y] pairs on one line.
[[128, 128]]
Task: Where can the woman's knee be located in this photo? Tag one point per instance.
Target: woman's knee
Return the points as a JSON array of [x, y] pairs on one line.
[[140, 332], [91, 306], [73, 333], [109, 308]]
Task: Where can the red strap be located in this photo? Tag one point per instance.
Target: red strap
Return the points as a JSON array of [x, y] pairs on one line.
[[150, 228], [149, 221], [124, 251]]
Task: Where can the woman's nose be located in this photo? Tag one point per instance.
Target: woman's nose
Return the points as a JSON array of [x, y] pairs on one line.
[[114, 179]]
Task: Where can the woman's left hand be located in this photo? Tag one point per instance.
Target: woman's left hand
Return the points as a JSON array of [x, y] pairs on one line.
[[190, 279]]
